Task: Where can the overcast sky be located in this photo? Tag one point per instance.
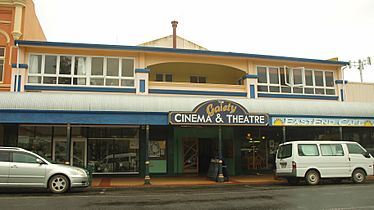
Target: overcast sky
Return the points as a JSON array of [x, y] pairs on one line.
[[319, 29]]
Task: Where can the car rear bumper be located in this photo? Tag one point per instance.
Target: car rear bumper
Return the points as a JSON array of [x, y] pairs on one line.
[[285, 174]]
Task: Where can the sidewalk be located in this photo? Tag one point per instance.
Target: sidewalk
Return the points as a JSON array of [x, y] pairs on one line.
[[116, 182], [128, 182]]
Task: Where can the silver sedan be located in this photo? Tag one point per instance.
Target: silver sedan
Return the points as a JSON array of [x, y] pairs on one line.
[[22, 168]]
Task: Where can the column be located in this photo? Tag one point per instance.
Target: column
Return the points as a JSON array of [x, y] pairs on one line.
[[220, 178], [341, 90], [147, 178], [68, 144], [16, 33], [250, 81], [141, 81]]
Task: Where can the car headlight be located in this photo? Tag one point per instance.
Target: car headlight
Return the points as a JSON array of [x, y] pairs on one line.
[[80, 172]]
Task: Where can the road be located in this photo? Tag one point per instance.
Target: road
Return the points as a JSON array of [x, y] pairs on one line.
[[326, 196]]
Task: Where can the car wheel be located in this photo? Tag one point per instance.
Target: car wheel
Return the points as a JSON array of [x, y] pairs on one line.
[[293, 181], [312, 177], [58, 184], [358, 176]]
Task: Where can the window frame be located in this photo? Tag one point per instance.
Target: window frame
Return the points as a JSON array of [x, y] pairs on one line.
[[88, 72], [198, 79], [23, 153], [333, 155], [299, 147], [290, 82], [3, 59], [163, 75]]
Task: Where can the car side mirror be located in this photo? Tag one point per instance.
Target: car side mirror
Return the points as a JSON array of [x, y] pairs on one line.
[[40, 161], [367, 155]]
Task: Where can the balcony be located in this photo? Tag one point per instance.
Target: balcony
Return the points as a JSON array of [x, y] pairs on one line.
[[184, 88]]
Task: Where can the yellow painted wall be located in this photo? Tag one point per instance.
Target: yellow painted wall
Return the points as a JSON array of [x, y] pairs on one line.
[[32, 29], [216, 74], [168, 42], [359, 92]]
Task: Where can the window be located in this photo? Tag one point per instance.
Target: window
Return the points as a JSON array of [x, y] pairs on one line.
[[308, 150], [164, 77], [2, 61], [295, 80], [355, 149], [23, 158], [80, 70], [285, 151], [332, 150], [197, 79], [4, 156]]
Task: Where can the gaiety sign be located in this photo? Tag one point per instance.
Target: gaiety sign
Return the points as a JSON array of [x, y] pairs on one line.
[[218, 112]]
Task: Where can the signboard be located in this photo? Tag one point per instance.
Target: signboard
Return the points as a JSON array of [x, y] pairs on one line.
[[315, 121], [218, 112]]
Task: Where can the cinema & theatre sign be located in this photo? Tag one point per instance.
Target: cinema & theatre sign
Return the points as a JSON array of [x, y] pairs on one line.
[[218, 112]]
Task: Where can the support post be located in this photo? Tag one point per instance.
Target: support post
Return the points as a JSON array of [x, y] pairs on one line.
[[220, 178], [147, 178], [284, 133], [341, 133], [68, 145]]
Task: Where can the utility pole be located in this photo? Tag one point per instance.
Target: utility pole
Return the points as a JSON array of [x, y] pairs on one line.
[[360, 65]]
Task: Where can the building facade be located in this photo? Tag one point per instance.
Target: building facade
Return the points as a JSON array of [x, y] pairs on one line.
[[17, 21], [136, 109]]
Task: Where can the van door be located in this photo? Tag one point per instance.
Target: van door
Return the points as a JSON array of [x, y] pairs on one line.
[[357, 158], [4, 167], [334, 161], [284, 160]]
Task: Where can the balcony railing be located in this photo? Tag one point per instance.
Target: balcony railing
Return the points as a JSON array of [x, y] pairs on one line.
[[185, 88]]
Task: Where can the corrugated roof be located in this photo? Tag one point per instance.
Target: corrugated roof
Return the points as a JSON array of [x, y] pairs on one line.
[[152, 103]]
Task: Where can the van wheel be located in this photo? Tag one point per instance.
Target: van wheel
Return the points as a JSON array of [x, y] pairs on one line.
[[358, 176], [312, 177], [293, 181], [58, 184]]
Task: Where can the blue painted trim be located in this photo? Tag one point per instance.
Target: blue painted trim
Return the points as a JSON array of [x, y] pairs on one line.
[[15, 83], [339, 81], [173, 50], [142, 86], [319, 116], [142, 71], [83, 89], [21, 66], [252, 91], [271, 95], [341, 95], [196, 92], [19, 83], [83, 117], [250, 76]]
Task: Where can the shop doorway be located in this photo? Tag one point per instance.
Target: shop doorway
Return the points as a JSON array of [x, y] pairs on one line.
[[78, 153], [206, 153], [197, 153], [190, 156]]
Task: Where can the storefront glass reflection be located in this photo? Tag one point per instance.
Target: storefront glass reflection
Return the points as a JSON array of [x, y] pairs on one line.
[[36, 138], [114, 149]]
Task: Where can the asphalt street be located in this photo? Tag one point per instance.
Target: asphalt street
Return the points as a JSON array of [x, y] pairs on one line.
[[326, 196]]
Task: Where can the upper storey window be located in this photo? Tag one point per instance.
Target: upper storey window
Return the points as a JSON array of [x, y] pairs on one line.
[[81, 70], [295, 80], [2, 61]]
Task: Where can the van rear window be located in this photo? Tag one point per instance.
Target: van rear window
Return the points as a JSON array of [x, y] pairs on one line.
[[285, 151]]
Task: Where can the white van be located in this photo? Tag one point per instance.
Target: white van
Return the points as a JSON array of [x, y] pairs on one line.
[[313, 160]]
